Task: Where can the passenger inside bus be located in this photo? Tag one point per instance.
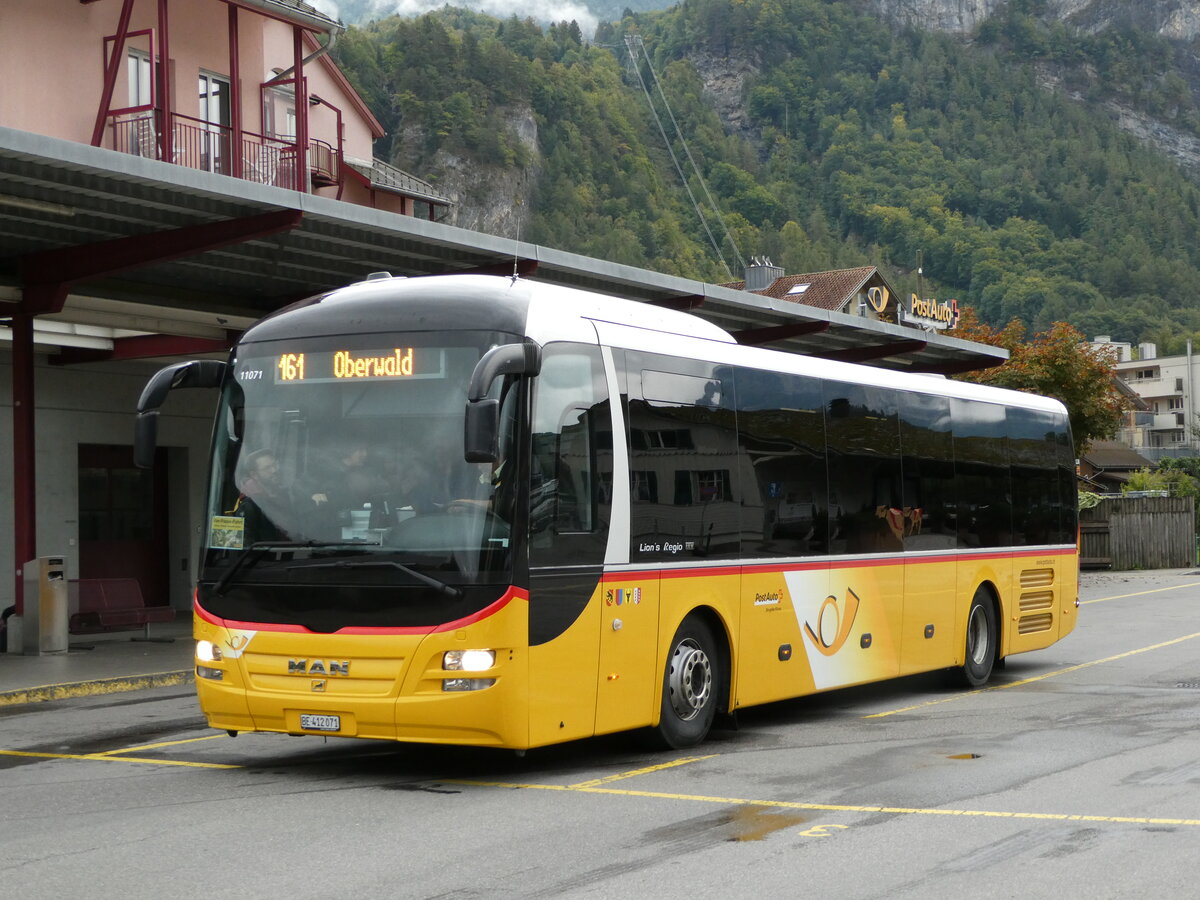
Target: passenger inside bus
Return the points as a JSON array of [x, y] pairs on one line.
[[347, 478], [264, 500]]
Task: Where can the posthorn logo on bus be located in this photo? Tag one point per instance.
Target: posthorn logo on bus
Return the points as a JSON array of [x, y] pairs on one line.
[[833, 623], [318, 667]]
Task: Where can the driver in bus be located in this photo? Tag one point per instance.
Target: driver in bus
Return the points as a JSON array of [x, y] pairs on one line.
[[263, 499]]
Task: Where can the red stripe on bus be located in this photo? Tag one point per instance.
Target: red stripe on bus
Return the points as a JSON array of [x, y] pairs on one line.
[[843, 563], [513, 593]]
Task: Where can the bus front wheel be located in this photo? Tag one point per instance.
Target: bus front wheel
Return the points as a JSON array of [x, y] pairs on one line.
[[690, 686], [982, 639]]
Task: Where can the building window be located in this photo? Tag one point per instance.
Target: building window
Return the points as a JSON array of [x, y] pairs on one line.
[[1176, 403], [138, 66], [279, 113], [215, 114], [1179, 384], [1144, 374]]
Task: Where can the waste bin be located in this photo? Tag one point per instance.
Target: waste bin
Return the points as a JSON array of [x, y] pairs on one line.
[[44, 625]]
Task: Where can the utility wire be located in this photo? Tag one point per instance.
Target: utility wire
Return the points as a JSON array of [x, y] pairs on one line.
[[633, 43], [695, 168]]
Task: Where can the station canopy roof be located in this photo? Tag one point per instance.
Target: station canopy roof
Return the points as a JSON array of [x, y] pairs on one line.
[[228, 251]]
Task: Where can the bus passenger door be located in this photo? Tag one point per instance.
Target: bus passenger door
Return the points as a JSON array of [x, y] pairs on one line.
[[570, 510], [628, 652]]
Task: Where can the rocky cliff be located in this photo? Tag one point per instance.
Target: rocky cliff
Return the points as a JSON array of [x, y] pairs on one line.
[[1170, 18]]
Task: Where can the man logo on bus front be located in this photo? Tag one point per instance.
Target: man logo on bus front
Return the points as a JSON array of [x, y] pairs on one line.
[[318, 667], [833, 625]]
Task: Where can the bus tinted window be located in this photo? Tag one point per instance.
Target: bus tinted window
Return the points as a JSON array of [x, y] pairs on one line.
[[930, 506], [572, 458], [781, 425], [981, 476], [866, 505], [683, 464], [1033, 453]]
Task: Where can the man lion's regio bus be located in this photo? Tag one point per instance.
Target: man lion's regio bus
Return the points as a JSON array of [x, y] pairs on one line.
[[488, 511]]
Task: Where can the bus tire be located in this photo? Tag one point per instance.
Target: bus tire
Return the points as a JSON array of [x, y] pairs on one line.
[[691, 685], [982, 640]]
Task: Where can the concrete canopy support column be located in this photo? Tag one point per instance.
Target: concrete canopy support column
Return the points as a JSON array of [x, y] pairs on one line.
[[24, 476]]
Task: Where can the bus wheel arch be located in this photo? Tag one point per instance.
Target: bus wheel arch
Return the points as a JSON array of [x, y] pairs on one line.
[[981, 644], [695, 681]]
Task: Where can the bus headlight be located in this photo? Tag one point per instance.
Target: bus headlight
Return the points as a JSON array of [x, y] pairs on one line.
[[207, 651], [468, 661]]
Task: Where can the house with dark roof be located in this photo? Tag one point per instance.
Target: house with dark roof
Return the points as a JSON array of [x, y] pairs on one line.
[[861, 291], [1107, 465]]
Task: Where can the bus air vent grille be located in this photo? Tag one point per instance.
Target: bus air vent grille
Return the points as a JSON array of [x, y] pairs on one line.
[[1034, 578], [1035, 623], [1033, 600]]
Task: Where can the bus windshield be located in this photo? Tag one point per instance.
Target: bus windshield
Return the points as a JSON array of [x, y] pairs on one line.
[[338, 463]]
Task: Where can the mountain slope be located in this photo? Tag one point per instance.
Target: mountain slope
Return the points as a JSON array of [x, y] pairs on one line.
[[828, 138]]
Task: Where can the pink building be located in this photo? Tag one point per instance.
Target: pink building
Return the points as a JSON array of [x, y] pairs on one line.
[[244, 88], [145, 145]]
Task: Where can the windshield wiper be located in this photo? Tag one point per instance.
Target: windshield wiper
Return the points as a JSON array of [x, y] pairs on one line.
[[257, 550], [440, 586]]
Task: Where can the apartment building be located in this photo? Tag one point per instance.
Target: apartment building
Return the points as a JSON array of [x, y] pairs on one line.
[[1169, 426]]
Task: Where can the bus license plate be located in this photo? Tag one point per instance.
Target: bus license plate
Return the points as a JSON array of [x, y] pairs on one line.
[[311, 722]]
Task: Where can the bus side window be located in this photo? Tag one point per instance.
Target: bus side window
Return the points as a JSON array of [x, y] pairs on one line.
[[781, 435], [684, 460], [866, 507], [572, 454], [981, 474], [930, 511]]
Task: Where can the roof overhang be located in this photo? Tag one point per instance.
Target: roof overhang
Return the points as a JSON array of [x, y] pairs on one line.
[[57, 194]]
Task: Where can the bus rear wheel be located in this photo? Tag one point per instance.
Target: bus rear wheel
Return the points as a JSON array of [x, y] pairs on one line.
[[690, 687], [982, 640]]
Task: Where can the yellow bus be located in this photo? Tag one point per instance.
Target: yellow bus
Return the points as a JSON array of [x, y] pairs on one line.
[[489, 511]]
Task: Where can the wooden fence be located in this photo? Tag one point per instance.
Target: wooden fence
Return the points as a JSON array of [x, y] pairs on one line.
[[1138, 533]]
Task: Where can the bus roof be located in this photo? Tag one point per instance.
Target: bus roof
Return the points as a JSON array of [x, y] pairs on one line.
[[548, 312]]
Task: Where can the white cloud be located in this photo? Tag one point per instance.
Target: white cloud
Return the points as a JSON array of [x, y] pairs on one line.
[[538, 10]]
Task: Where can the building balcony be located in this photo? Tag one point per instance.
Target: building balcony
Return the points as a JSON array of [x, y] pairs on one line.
[[210, 147]]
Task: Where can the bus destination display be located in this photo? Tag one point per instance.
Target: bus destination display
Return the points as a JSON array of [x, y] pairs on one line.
[[397, 363]]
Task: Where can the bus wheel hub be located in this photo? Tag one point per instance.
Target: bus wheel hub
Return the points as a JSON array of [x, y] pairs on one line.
[[690, 681]]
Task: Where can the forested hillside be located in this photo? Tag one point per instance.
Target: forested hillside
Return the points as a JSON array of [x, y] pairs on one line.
[[839, 141]]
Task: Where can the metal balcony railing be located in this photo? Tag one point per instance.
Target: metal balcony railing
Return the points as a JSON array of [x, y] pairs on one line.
[[203, 145]]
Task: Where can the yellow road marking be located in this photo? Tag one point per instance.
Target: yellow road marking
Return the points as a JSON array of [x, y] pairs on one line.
[[207, 737], [132, 759], [1025, 681], [832, 807], [608, 779], [1140, 593]]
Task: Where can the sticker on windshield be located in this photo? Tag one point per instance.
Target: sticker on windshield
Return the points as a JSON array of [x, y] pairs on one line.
[[227, 532]]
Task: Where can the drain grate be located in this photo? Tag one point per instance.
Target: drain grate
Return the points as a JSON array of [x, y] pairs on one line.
[[1194, 685]]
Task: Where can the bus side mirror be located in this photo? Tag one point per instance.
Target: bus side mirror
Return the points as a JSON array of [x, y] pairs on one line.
[[198, 373], [481, 431], [481, 426]]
